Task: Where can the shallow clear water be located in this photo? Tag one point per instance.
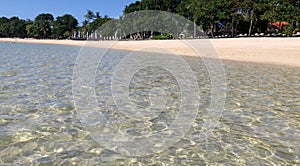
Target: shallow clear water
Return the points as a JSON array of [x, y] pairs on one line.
[[38, 124]]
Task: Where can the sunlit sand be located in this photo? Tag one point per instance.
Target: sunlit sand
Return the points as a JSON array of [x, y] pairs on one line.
[[277, 51]]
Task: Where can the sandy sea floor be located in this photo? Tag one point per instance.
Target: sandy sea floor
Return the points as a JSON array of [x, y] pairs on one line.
[[40, 124]]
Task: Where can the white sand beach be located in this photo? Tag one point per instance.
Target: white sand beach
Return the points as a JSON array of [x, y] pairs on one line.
[[277, 51]]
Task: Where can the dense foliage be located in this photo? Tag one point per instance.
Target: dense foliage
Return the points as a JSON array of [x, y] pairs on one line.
[[91, 23], [45, 26], [215, 17], [230, 17], [163, 37], [13, 27]]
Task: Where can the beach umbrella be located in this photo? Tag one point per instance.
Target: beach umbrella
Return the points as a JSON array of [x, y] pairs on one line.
[[280, 24]]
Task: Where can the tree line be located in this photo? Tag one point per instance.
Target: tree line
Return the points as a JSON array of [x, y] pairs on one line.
[[231, 17], [215, 17], [45, 26]]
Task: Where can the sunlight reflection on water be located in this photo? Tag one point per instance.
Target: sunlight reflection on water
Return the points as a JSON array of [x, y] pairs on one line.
[[38, 123]]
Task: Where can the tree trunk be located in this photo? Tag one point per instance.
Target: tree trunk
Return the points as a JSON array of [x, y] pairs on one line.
[[236, 26], [251, 23], [212, 29], [232, 27], [195, 30]]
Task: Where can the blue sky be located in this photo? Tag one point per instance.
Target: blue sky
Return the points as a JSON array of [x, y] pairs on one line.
[[31, 8]]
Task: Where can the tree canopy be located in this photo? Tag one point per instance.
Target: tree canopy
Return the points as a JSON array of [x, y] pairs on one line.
[[63, 26], [45, 26], [215, 17], [13, 27], [229, 17]]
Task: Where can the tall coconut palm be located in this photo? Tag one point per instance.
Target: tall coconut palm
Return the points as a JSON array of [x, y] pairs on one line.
[[97, 16], [88, 17]]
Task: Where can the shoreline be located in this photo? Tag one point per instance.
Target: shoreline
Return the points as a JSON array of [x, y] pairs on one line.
[[273, 51]]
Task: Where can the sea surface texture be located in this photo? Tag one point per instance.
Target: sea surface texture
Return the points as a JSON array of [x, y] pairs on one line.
[[260, 123]]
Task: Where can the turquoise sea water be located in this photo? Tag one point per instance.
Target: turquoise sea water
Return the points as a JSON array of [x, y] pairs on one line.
[[260, 124]]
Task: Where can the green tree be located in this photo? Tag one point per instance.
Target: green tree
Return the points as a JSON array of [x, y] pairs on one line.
[[4, 27], [88, 17], [283, 11], [98, 22], [63, 26], [233, 16], [30, 30], [42, 26], [97, 16], [164, 5], [136, 6], [92, 23], [17, 27], [13, 27]]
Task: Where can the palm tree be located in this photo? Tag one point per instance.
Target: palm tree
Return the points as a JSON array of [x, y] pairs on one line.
[[88, 17], [97, 16], [84, 28]]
